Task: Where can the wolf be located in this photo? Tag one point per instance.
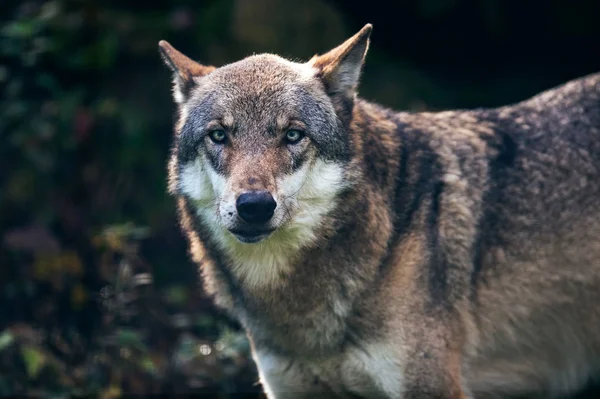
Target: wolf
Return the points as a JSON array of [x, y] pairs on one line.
[[370, 253]]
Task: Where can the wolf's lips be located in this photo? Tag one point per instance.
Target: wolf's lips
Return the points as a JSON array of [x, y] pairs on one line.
[[251, 236]]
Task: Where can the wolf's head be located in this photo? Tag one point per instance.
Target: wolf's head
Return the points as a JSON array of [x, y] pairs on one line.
[[261, 144]]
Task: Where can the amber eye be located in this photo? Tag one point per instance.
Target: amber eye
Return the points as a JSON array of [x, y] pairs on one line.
[[293, 136], [217, 136]]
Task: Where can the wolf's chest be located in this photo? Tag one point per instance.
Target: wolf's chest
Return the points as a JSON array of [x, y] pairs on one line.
[[376, 372], [305, 329]]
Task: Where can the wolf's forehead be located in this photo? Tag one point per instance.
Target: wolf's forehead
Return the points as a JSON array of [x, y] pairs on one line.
[[259, 77], [264, 69], [263, 84]]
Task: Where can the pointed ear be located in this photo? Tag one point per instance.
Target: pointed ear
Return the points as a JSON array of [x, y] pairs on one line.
[[184, 70], [340, 68]]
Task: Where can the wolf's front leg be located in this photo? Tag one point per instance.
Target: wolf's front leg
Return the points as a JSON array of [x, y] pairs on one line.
[[433, 369], [284, 378], [424, 383]]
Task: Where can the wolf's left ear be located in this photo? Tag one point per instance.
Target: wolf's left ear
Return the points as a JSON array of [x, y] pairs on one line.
[[340, 68], [184, 70]]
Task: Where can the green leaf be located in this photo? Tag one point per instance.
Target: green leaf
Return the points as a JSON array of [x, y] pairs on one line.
[[131, 339], [148, 365], [6, 338], [34, 360], [177, 294], [19, 29]]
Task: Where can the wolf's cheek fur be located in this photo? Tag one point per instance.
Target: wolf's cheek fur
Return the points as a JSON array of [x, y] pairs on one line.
[[312, 192], [194, 183], [206, 188]]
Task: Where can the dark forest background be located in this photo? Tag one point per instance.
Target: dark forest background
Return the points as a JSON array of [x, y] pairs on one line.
[[97, 295]]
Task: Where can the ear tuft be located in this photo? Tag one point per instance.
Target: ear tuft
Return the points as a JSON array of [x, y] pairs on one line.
[[340, 68], [184, 70]]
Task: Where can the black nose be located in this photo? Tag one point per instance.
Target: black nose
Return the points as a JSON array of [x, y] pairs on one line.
[[256, 206]]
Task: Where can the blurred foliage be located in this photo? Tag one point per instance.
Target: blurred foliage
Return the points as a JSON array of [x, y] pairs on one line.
[[98, 297], [82, 162], [142, 341]]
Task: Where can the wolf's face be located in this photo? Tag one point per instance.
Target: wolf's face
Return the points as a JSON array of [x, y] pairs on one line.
[[261, 145], [260, 149]]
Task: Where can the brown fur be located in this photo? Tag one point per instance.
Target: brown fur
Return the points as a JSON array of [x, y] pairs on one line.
[[466, 245]]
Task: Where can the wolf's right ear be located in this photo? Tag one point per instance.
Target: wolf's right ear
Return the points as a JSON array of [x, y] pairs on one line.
[[184, 70], [340, 68]]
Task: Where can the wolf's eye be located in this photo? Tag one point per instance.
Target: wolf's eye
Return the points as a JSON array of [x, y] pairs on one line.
[[293, 136], [217, 136]]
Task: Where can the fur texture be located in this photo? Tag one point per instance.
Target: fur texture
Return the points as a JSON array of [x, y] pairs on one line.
[[410, 255]]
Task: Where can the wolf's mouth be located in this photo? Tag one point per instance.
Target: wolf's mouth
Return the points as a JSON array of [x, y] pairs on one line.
[[251, 235]]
